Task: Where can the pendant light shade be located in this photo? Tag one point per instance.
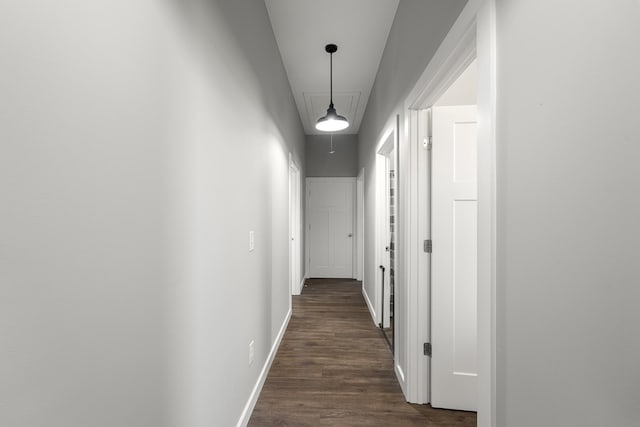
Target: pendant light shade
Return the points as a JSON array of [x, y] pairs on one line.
[[332, 121]]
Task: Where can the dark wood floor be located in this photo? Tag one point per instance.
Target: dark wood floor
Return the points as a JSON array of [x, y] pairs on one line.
[[333, 368]]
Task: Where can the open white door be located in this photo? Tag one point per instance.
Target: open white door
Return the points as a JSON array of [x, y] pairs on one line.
[[330, 207], [454, 258]]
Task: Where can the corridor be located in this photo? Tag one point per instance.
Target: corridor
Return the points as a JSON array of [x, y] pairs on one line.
[[333, 368], [165, 169]]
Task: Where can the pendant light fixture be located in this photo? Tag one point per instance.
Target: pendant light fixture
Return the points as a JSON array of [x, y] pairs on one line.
[[331, 122]]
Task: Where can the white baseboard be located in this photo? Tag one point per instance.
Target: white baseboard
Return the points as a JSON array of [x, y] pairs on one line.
[[300, 286], [253, 398], [368, 301], [401, 380]]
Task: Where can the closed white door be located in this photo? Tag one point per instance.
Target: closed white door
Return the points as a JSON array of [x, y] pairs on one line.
[[295, 248], [330, 210], [454, 259]]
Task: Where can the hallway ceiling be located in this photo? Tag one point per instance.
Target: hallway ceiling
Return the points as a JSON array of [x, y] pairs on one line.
[[302, 29]]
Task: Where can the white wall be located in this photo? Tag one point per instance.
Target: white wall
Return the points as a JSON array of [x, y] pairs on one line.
[[568, 210], [128, 296], [418, 29], [463, 91]]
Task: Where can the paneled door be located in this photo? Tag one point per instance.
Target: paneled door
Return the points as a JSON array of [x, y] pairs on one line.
[[454, 258], [330, 227]]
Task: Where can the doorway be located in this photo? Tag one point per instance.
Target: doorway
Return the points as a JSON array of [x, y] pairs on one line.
[[330, 232], [386, 234], [295, 229], [453, 203], [471, 38]]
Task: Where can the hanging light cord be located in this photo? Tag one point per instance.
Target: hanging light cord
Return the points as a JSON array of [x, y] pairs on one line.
[[331, 79]]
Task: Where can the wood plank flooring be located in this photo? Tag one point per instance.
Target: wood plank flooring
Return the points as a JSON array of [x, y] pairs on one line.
[[334, 368]]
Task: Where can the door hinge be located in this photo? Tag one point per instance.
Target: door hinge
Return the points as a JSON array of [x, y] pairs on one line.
[[427, 349], [428, 246]]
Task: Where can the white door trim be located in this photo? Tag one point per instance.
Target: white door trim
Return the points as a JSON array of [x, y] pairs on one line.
[[386, 146], [473, 36], [360, 226]]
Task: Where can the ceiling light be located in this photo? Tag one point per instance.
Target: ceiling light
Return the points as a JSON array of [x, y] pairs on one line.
[[332, 121]]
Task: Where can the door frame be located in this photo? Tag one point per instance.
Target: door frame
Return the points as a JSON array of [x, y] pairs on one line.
[[473, 36], [295, 228], [307, 240], [359, 273], [388, 144]]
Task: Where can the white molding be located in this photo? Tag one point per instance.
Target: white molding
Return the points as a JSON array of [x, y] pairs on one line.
[[455, 53], [301, 285], [255, 393], [354, 229], [401, 378], [487, 196], [374, 317], [305, 227], [360, 204], [387, 144], [417, 365]]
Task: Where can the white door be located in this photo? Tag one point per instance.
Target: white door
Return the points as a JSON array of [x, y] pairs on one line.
[[295, 253], [330, 227], [454, 259]]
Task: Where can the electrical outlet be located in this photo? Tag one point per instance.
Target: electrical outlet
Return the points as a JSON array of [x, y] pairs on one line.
[[251, 352], [251, 241]]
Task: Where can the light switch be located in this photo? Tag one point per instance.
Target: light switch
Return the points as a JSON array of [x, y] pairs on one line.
[[251, 241]]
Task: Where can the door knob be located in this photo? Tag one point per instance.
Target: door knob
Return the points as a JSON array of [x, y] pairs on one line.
[[350, 234]]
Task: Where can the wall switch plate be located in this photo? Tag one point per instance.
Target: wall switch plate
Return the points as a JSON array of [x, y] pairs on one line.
[[251, 352], [251, 241]]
